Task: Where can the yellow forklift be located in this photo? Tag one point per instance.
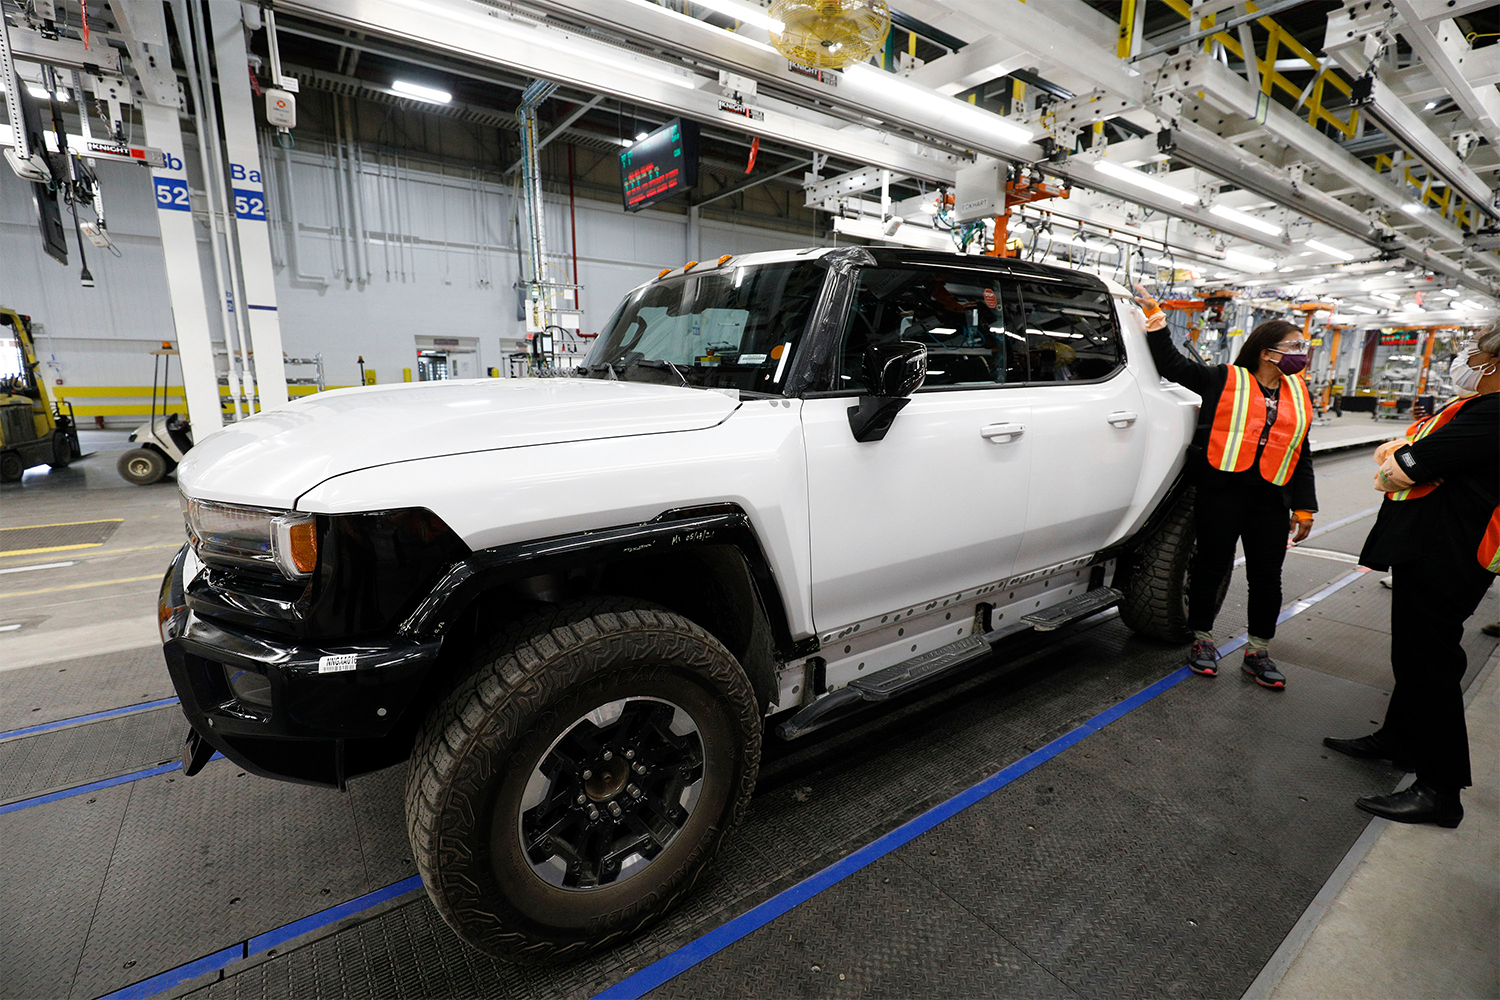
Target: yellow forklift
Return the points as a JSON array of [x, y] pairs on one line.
[[33, 430]]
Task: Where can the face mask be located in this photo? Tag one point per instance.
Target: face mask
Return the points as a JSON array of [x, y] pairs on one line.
[[1291, 364], [1466, 379]]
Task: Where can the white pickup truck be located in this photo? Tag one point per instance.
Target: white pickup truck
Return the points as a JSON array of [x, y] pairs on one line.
[[786, 486]]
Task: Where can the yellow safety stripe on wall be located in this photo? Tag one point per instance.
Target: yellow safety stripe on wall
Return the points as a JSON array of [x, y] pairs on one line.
[[1299, 407]]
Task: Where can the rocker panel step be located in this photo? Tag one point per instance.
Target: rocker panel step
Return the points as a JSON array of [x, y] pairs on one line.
[[1073, 609], [908, 673]]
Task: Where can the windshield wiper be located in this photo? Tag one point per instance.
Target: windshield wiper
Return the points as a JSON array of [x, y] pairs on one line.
[[663, 363], [609, 369]]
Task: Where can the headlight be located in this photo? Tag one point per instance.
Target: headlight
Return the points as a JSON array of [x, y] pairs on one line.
[[253, 538]]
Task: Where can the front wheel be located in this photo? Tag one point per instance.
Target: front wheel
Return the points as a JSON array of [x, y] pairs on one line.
[[579, 781], [62, 450], [142, 466], [1156, 587]]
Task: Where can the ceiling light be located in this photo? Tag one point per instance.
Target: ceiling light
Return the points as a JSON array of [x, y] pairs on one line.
[[746, 13], [1145, 181], [1330, 251], [931, 102], [1387, 296], [1470, 305], [1305, 253], [1412, 208], [1391, 274], [1247, 262], [1245, 219], [1363, 309], [641, 135], [415, 90], [1429, 105], [40, 93]]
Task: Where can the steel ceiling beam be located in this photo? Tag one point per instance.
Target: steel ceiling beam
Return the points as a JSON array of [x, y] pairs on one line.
[[1443, 49]]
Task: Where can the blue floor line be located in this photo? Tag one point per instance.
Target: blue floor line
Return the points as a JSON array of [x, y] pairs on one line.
[[79, 720], [684, 958], [94, 786]]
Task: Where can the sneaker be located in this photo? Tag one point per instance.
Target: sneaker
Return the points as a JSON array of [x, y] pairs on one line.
[[1261, 668], [1204, 659]]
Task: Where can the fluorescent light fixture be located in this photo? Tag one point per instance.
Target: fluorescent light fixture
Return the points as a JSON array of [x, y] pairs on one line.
[[1412, 208], [1247, 262], [1392, 273], [1144, 181], [931, 102], [40, 93], [1386, 296], [746, 13], [1452, 293], [1429, 105], [641, 135], [1364, 309], [1470, 305], [1330, 251], [1245, 219], [415, 90]]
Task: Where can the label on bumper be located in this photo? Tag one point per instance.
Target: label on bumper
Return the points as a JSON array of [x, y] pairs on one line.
[[336, 662]]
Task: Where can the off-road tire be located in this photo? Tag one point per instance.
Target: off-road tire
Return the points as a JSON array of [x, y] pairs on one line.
[[11, 467], [142, 466], [1156, 587], [479, 745]]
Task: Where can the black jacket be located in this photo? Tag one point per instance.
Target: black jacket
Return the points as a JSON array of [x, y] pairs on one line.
[[1299, 493], [1465, 454]]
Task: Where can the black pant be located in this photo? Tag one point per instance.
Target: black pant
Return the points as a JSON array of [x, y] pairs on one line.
[[1430, 600], [1252, 510]]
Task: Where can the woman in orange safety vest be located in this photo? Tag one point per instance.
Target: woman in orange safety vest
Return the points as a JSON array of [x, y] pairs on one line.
[[1439, 533], [1254, 476]]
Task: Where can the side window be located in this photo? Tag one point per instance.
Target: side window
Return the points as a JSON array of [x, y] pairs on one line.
[[1070, 331], [957, 312]]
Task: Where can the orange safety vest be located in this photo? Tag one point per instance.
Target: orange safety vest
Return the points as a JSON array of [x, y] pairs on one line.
[[1489, 545], [1241, 417]]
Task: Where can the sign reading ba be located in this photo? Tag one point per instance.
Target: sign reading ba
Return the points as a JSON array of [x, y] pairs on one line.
[[249, 203]]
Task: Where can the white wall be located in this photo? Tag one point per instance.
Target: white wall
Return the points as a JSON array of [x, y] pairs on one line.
[[442, 262]]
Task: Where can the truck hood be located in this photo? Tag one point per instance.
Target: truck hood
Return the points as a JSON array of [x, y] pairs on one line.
[[271, 459]]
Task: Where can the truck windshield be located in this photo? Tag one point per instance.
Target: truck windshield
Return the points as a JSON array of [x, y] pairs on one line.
[[733, 328]]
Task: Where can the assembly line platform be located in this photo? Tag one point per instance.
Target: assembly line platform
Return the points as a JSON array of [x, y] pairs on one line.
[[1079, 817]]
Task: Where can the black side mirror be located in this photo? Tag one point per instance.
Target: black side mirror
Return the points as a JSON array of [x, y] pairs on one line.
[[894, 371]]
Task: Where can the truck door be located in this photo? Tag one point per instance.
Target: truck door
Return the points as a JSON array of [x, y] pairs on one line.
[[938, 505], [1087, 430]]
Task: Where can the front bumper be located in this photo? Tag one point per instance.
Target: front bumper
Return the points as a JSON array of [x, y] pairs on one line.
[[320, 717]]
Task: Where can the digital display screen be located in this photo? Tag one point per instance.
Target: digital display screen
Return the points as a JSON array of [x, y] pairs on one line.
[[661, 165], [1398, 338]]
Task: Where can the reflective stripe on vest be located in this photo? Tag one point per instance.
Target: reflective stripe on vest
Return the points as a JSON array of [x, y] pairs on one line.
[[1489, 545], [1284, 446], [1240, 418], [1422, 428]]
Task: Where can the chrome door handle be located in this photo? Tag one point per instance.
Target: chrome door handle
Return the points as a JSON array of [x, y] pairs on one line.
[[1002, 432], [1123, 418]]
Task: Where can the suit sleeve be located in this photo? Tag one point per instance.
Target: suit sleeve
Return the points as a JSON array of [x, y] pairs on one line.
[[1466, 444], [1178, 367]]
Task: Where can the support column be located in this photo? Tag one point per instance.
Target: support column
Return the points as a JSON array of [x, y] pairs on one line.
[[179, 246], [246, 178]]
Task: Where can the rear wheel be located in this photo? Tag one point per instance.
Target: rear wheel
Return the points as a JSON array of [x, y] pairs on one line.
[[1156, 589], [142, 466], [574, 787], [11, 467]]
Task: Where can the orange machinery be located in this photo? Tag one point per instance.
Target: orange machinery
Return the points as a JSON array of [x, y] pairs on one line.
[[1027, 187]]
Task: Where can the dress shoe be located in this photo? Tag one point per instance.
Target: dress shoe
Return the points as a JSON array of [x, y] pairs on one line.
[[1421, 803], [1372, 747]]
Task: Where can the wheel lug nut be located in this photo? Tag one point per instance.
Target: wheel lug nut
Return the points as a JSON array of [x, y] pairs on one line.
[[581, 798], [614, 809], [630, 755], [593, 813], [638, 768], [634, 791], [587, 774], [609, 755]]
